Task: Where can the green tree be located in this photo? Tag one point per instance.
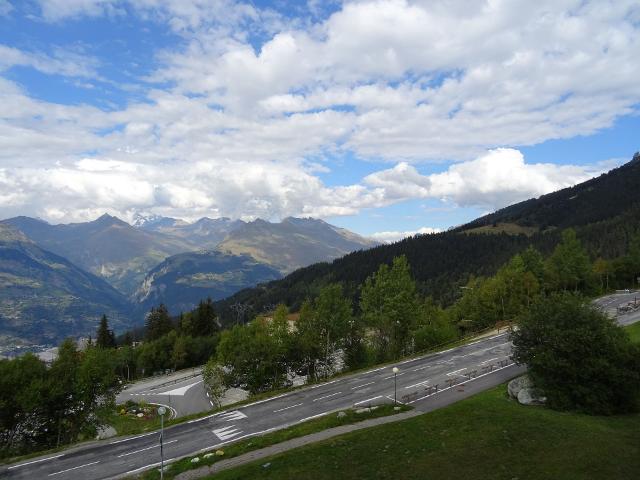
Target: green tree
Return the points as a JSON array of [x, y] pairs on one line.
[[105, 337], [578, 357], [24, 424], [250, 354], [569, 267], [433, 327], [308, 339], [389, 305], [214, 380], [158, 323], [332, 314], [603, 269]]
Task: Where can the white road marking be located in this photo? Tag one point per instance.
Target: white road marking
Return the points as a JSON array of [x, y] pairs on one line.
[[420, 368], [133, 438], [455, 371], [396, 375], [74, 468], [211, 403], [231, 416], [178, 391], [490, 360], [321, 385], [201, 419], [327, 396], [368, 400], [145, 449], [363, 385], [394, 399], [418, 384], [227, 432], [287, 408], [35, 461]]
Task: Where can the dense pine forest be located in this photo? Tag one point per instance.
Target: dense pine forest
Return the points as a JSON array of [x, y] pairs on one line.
[[605, 212]]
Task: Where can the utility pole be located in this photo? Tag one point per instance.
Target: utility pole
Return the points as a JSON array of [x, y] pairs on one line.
[[161, 412], [395, 385]]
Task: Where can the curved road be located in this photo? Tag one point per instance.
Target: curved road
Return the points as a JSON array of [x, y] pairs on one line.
[[427, 383]]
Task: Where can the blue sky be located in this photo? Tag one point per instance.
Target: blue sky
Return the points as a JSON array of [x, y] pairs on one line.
[[386, 117]]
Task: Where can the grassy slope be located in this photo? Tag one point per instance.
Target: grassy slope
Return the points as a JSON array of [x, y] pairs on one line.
[[634, 332], [278, 436], [486, 436]]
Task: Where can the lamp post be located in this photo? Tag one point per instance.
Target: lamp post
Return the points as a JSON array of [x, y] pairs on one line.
[[395, 385], [161, 412]]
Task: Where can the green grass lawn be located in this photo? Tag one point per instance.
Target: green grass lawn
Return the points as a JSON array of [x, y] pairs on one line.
[[255, 443], [487, 436], [634, 332]]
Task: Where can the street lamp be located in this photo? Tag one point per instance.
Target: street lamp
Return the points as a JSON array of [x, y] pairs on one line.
[[161, 412], [395, 385]]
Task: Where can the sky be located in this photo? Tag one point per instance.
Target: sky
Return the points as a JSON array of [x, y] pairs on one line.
[[386, 117]]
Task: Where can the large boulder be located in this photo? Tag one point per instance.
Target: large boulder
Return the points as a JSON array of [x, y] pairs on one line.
[[517, 384], [531, 396]]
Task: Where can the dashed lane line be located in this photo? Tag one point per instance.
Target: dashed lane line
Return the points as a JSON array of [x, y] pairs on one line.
[[395, 375], [145, 449], [363, 385], [74, 468], [287, 408], [326, 396]]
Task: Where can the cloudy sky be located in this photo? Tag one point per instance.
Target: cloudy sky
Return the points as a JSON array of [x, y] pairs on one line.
[[384, 117]]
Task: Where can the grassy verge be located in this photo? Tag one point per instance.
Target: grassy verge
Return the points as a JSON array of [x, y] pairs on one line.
[[487, 436], [278, 436], [634, 331]]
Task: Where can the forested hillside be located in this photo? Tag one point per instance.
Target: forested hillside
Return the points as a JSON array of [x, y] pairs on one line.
[[44, 297], [604, 210]]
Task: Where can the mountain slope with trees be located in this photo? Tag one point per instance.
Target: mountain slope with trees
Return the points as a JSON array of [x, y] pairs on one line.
[[182, 280], [107, 247], [604, 210], [44, 297], [292, 243]]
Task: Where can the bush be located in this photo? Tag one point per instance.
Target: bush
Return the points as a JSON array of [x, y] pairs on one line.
[[578, 357]]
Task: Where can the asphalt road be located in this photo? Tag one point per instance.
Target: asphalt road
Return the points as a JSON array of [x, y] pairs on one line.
[[610, 304], [183, 396], [457, 373]]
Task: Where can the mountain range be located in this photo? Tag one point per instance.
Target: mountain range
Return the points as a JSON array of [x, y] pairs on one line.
[[45, 297], [604, 211], [133, 267]]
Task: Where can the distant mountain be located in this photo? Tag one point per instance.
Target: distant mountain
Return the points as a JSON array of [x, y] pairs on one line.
[[107, 247], [205, 233], [292, 243], [155, 222], [605, 212], [182, 280], [44, 297]]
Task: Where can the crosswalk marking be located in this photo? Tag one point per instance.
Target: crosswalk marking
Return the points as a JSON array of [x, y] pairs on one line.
[[226, 432], [232, 416]]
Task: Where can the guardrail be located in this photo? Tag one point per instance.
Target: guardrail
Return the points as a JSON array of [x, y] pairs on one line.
[[430, 390]]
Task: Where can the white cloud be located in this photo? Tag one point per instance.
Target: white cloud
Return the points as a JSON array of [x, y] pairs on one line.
[[393, 236], [62, 62], [246, 125], [496, 179]]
